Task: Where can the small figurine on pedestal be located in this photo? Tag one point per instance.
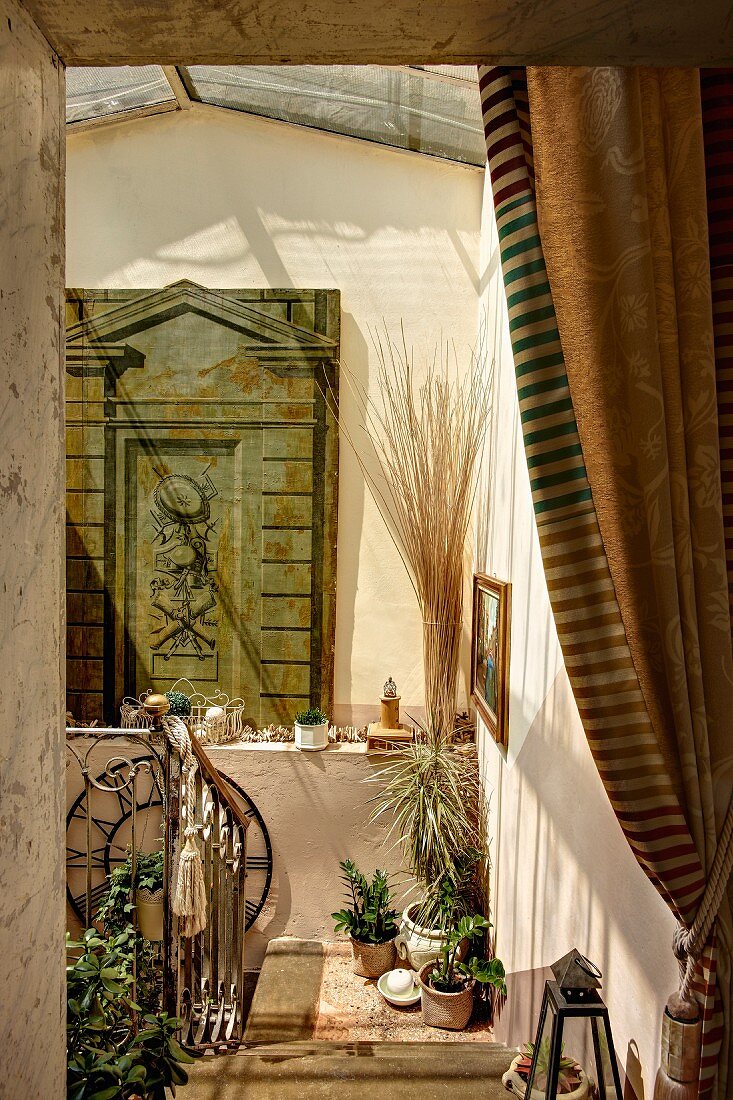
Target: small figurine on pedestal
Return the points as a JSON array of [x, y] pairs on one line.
[[388, 733]]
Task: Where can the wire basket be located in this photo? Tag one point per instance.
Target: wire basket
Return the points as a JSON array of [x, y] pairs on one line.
[[214, 719]]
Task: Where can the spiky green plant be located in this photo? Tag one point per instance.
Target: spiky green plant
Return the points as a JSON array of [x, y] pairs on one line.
[[311, 717], [432, 793], [569, 1071], [180, 704]]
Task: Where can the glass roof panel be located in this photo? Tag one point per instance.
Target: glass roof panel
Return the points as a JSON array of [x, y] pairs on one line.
[[457, 72], [95, 92], [397, 107]]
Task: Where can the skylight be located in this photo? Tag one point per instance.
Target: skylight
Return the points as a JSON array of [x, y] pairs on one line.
[[434, 110], [100, 92]]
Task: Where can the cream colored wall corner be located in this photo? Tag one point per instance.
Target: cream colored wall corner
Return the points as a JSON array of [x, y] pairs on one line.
[[229, 200], [32, 1062], [563, 875]]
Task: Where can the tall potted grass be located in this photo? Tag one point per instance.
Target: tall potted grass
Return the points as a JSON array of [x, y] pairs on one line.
[[423, 438], [433, 797], [424, 435]]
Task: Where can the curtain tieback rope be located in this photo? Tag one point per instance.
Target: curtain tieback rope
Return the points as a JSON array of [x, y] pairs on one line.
[[688, 942]]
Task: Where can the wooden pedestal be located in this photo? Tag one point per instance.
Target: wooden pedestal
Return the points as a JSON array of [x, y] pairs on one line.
[[383, 739]]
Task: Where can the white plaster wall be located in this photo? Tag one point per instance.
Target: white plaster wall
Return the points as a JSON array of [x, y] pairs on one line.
[[563, 874], [233, 201], [323, 820], [32, 1005]]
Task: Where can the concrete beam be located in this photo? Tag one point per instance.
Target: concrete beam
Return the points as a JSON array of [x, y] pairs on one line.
[[393, 32], [32, 789]]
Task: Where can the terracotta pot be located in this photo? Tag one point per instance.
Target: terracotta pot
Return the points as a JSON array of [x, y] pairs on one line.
[[446, 1010], [149, 914], [371, 960]]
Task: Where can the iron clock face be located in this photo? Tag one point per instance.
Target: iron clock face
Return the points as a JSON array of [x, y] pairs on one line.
[[111, 829], [258, 864]]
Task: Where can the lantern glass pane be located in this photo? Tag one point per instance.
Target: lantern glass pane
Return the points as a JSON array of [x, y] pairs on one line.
[[602, 1054], [542, 1055]]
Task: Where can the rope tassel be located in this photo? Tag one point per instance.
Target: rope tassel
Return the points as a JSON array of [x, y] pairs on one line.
[[189, 903]]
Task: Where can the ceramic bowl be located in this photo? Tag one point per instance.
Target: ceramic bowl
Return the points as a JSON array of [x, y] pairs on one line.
[[401, 1000]]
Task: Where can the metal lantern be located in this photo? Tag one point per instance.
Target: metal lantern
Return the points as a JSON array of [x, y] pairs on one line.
[[572, 995]]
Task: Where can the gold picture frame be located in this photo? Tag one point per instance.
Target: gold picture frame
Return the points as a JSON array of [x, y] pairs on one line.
[[490, 650]]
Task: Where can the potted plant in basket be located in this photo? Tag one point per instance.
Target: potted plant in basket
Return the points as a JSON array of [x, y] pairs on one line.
[[369, 921], [311, 730], [447, 984]]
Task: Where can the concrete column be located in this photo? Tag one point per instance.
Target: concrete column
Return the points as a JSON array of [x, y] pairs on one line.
[[32, 1061]]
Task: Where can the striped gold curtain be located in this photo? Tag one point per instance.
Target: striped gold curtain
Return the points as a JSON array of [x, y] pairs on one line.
[[600, 194]]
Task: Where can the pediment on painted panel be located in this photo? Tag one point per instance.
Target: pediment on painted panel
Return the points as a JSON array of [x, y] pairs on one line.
[[254, 321]]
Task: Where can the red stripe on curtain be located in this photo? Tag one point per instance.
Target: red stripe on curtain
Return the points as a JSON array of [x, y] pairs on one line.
[[717, 115]]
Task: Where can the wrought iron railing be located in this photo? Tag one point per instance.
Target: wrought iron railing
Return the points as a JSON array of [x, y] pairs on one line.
[[140, 776]]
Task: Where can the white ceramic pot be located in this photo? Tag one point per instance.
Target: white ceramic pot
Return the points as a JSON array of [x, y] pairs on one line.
[[149, 914], [417, 945], [311, 738]]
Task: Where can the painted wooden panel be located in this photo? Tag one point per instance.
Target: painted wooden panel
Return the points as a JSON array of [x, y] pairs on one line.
[[284, 611], [202, 468], [286, 645]]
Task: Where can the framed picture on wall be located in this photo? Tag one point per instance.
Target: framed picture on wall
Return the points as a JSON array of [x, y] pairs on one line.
[[490, 636]]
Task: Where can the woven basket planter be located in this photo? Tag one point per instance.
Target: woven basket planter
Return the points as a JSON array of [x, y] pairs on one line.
[[371, 960], [447, 1010]]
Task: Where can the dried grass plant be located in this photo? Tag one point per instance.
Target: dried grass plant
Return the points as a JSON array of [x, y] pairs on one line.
[[424, 435]]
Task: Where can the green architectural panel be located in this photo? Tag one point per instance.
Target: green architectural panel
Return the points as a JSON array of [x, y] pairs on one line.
[[202, 471]]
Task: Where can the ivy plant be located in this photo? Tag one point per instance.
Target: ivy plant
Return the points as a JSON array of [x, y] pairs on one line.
[[115, 909], [369, 917]]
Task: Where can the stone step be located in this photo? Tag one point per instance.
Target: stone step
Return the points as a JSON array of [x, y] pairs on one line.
[[353, 1071], [285, 1002]]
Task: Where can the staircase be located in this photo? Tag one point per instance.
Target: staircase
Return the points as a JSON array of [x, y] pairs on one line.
[[270, 1053]]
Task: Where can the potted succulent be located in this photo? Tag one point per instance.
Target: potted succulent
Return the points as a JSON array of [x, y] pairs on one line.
[[369, 921], [572, 1082], [447, 983], [311, 730]]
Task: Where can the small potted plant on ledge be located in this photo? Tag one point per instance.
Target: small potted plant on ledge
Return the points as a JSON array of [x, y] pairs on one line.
[[311, 730], [369, 920]]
